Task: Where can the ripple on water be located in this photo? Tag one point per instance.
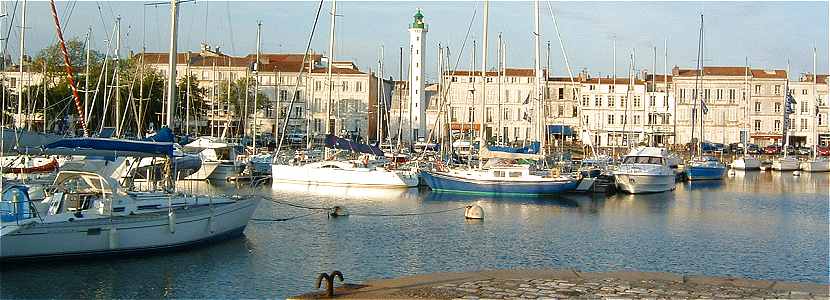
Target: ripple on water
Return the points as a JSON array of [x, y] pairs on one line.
[[758, 225]]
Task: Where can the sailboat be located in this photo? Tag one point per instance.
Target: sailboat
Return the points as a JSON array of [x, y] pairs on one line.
[[702, 167], [506, 171], [786, 162], [370, 170], [815, 163], [746, 162], [89, 213]]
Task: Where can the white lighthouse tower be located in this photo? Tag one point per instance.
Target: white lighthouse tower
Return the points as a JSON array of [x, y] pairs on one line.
[[417, 99]]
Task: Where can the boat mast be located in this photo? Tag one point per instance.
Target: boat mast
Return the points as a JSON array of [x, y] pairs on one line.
[[329, 123], [256, 83], [538, 73], [483, 105], [815, 101], [118, 77], [86, 78], [171, 55], [746, 103], [187, 110], [498, 91], [378, 110], [19, 121], [787, 111]]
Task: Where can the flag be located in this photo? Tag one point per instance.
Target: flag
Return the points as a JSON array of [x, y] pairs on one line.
[[703, 107], [790, 104]]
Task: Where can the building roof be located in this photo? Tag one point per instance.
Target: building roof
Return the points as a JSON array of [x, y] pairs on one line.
[[659, 78], [335, 70], [514, 72], [731, 71], [606, 80], [820, 79]]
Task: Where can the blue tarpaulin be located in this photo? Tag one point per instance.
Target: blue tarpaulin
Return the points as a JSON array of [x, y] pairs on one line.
[[106, 147], [560, 130], [533, 148], [346, 144], [163, 135]]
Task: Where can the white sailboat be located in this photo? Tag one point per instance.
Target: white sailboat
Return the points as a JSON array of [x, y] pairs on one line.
[[89, 213], [364, 173], [815, 163], [786, 163], [746, 161], [220, 159]]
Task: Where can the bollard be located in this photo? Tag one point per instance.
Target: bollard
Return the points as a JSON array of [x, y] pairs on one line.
[[329, 281]]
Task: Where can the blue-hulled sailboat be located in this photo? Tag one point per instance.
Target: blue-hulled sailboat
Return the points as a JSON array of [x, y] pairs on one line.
[[702, 167]]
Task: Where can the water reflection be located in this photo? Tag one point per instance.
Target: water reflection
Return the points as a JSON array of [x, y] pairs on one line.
[[764, 225]]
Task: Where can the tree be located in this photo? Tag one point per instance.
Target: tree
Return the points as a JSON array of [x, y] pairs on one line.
[[237, 98]]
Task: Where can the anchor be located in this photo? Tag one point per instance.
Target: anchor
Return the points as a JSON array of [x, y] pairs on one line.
[[329, 281]]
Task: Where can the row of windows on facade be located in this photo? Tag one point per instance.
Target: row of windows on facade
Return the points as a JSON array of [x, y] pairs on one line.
[[516, 96], [687, 94], [623, 100], [805, 107], [777, 124], [653, 119]]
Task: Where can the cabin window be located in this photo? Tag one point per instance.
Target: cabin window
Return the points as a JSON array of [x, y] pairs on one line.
[[515, 174], [498, 173]]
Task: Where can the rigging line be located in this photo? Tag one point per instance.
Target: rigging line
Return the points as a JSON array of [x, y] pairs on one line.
[[447, 89], [295, 205], [230, 26], [408, 214], [11, 22], [283, 219], [66, 18], [101, 17], [296, 85], [562, 46]]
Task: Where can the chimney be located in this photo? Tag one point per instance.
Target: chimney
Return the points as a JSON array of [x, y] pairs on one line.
[[675, 71]]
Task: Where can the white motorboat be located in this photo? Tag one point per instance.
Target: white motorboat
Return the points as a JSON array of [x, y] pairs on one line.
[[89, 214], [220, 160], [816, 164], [343, 173], [645, 170], [746, 163], [786, 163]]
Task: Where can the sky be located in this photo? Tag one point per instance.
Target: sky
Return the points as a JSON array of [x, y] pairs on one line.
[[769, 34]]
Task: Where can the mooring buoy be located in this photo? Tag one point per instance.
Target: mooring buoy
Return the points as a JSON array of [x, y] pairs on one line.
[[474, 212], [338, 211], [796, 173]]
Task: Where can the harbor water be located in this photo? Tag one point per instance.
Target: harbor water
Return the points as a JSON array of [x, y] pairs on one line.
[[761, 225]]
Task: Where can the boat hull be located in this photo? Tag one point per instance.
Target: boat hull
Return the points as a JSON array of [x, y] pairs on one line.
[[746, 163], [644, 183], [363, 177], [443, 182], [785, 165], [205, 171], [818, 165], [705, 173], [133, 234]]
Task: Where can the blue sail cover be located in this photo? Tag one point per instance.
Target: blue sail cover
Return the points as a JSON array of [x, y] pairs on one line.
[[163, 135], [533, 148], [106, 147], [345, 144]]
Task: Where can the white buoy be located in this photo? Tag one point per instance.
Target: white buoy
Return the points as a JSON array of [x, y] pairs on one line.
[[474, 212], [171, 221], [113, 237], [796, 173]]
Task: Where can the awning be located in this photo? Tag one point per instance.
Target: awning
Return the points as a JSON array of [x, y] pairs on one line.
[[560, 130], [464, 126]]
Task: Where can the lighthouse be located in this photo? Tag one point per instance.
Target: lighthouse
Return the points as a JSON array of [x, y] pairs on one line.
[[417, 100]]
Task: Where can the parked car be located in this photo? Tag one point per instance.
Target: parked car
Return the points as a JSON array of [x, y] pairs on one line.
[[772, 149], [805, 151], [791, 150], [734, 148], [823, 151], [754, 149], [295, 138]]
